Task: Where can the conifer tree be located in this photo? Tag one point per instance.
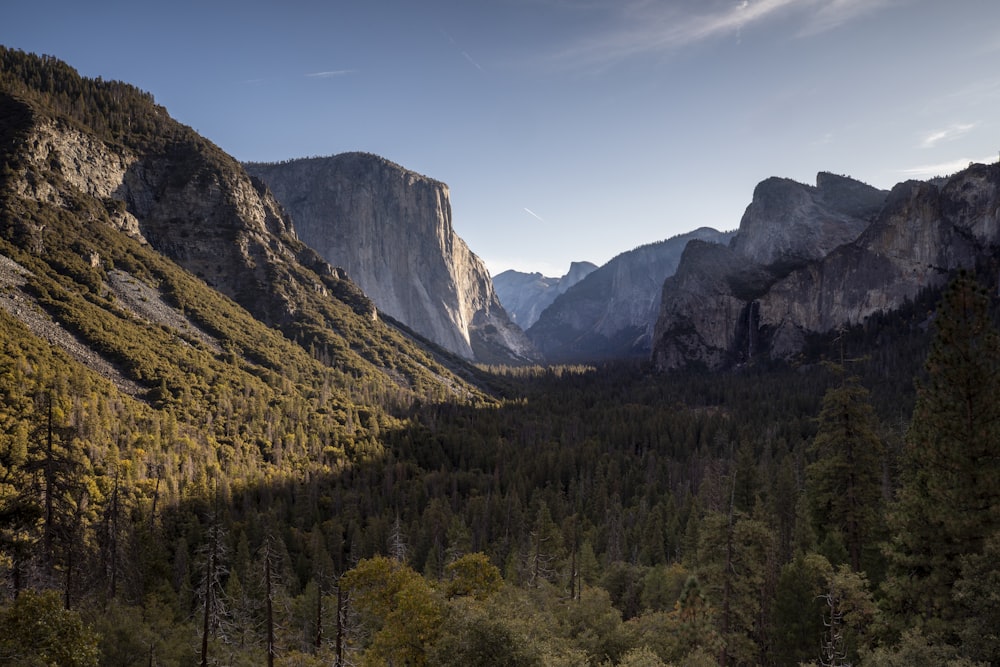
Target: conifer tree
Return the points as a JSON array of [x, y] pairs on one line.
[[844, 482], [734, 553], [949, 500]]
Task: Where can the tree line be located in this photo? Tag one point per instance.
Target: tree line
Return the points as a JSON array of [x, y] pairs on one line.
[[605, 516]]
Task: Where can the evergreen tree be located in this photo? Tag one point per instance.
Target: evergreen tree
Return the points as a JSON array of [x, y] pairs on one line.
[[797, 621], [845, 481], [735, 553], [949, 500]]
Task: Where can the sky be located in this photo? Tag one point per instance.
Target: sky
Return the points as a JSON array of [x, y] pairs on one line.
[[566, 130]]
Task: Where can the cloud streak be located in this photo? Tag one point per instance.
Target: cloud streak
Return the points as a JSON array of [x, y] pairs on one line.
[[533, 214], [646, 28], [953, 132], [835, 13], [466, 55], [329, 74], [944, 168]]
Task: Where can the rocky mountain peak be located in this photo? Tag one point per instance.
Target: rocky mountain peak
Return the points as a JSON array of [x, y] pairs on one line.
[[777, 288], [577, 272], [526, 295], [612, 312], [391, 230], [791, 223]]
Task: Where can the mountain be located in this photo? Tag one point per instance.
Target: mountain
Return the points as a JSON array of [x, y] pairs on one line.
[[788, 223], [612, 311], [808, 260], [391, 229], [152, 258], [526, 295]]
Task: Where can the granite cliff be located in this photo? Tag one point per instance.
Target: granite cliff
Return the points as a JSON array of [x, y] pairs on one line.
[[788, 223], [809, 260], [101, 190], [391, 229], [612, 311], [193, 203], [526, 295]]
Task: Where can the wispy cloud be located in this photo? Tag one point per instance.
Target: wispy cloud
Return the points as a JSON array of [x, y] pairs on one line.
[[952, 132], [834, 13], [643, 27], [944, 168], [329, 74], [466, 55], [533, 214]]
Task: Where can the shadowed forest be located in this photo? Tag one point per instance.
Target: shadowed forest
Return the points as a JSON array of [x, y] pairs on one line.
[[603, 516]]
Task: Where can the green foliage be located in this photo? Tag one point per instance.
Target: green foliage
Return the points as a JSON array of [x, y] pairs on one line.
[[798, 609], [845, 480], [977, 598], [735, 554], [914, 650], [594, 626], [948, 505], [474, 635], [474, 575], [398, 607], [640, 657], [136, 635], [36, 630], [848, 616]]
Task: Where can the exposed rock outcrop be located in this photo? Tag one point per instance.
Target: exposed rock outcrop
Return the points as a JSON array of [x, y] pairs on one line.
[[704, 306], [116, 198], [612, 312], [722, 309], [196, 205], [789, 223], [391, 229], [88, 165], [525, 295]]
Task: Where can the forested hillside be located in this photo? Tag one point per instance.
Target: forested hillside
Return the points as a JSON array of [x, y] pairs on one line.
[[182, 483]]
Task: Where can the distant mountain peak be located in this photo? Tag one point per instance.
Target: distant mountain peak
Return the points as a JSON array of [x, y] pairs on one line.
[[807, 260], [611, 312], [526, 295]]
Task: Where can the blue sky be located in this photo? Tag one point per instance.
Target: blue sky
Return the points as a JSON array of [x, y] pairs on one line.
[[565, 129]]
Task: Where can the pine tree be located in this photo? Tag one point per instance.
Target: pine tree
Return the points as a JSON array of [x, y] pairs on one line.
[[734, 554], [949, 500], [844, 482]]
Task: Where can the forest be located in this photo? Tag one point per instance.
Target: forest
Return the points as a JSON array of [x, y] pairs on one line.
[[330, 492], [603, 516]]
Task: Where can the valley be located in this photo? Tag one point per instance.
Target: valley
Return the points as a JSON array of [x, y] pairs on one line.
[[773, 446]]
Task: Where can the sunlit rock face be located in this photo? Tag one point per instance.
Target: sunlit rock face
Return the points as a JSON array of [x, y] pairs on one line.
[[774, 287], [391, 230], [195, 204]]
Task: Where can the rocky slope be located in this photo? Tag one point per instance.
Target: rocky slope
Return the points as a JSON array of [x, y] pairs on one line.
[[611, 312], [101, 190], [525, 295], [391, 230], [766, 293]]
